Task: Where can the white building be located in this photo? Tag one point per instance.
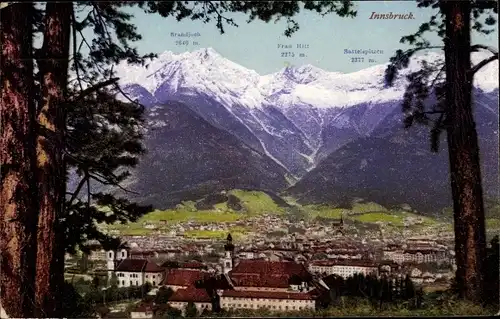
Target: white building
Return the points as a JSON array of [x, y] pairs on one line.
[[133, 272], [198, 297], [272, 300], [343, 268]]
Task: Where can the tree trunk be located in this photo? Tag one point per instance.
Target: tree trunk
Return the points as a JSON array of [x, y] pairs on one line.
[[18, 192], [50, 149], [463, 152]]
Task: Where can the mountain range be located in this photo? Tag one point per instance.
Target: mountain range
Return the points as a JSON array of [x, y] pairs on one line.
[[319, 136]]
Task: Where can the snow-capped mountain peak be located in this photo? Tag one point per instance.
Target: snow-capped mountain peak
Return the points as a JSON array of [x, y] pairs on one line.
[[301, 75], [295, 116], [206, 71]]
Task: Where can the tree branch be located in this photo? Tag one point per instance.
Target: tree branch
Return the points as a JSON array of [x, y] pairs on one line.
[[481, 64], [127, 97], [94, 88], [102, 180], [78, 189], [477, 47], [88, 190], [438, 75], [75, 52]]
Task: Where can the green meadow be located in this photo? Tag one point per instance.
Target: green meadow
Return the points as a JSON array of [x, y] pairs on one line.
[[255, 203]]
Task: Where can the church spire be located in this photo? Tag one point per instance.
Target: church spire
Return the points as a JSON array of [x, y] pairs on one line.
[[229, 243]]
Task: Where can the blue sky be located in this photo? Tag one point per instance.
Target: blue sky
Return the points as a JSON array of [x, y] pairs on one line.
[[254, 45]]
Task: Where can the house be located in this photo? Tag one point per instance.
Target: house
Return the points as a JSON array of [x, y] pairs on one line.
[[273, 300], [275, 285], [343, 268], [199, 297], [142, 310], [178, 278], [194, 265], [133, 272], [262, 275]]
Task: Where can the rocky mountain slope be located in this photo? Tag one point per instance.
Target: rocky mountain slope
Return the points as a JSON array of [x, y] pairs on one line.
[[301, 123]]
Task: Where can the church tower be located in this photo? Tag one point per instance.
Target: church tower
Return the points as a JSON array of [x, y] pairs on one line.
[[227, 261], [338, 226], [113, 258], [111, 263]]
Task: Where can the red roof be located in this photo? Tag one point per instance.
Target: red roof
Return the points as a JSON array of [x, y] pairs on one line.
[[255, 266], [261, 273], [191, 294], [131, 265], [153, 267], [138, 265], [193, 265], [182, 277], [267, 294]]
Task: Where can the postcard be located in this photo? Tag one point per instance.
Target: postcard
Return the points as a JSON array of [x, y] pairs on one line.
[[249, 159]]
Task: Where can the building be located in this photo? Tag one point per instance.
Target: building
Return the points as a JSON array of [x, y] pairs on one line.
[[343, 268], [338, 226], [257, 283], [199, 297], [416, 254], [114, 258], [272, 300], [142, 310], [133, 272], [228, 260], [177, 278]]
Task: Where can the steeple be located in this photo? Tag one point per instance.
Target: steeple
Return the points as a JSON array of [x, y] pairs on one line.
[[229, 247], [227, 261]]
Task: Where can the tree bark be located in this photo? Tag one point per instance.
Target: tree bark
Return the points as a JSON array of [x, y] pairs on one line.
[[463, 150], [53, 66], [18, 191]]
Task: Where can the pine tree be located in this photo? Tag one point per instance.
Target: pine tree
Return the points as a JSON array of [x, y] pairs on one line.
[[191, 310], [18, 212], [113, 281], [53, 66], [453, 114], [409, 288], [63, 226]]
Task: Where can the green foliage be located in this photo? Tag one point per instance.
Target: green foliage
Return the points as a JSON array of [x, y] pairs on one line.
[[73, 305], [114, 294], [358, 207], [428, 82], [257, 203], [113, 281], [163, 295], [325, 211], [180, 215], [168, 313], [380, 217], [253, 203], [266, 11], [191, 310], [103, 142]]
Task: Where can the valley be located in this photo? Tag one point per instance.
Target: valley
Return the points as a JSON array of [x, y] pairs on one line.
[[245, 214]]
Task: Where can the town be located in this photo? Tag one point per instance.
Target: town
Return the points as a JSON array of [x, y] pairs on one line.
[[268, 261]]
